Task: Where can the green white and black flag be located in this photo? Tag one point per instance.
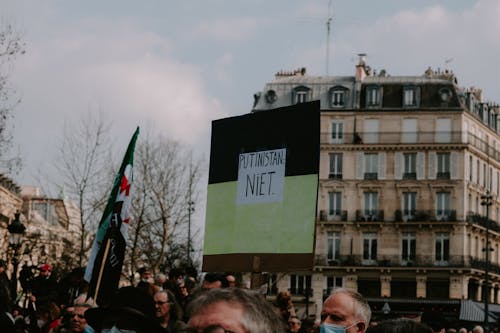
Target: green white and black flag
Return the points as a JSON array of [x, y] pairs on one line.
[[108, 250]]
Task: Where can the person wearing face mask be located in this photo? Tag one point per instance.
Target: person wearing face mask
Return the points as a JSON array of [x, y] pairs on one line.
[[345, 311]]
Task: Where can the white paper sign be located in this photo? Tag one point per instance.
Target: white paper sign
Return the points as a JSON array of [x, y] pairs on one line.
[[261, 176]]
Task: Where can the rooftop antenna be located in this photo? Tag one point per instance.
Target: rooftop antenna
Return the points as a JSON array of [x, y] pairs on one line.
[[328, 23]]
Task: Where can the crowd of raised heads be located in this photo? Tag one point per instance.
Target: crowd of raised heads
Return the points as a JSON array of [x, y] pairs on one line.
[[180, 302]]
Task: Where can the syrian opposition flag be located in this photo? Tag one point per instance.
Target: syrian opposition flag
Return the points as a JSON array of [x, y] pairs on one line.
[[106, 257]]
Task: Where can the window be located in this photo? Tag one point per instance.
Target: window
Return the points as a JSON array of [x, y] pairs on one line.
[[470, 168], [369, 248], [371, 129], [371, 202], [443, 165], [410, 96], [373, 96], [443, 205], [409, 205], [335, 203], [443, 130], [337, 132], [299, 284], [409, 247], [371, 166], [46, 211], [333, 246], [410, 166], [335, 166], [338, 96], [333, 282], [300, 94], [272, 284], [442, 248], [410, 131]]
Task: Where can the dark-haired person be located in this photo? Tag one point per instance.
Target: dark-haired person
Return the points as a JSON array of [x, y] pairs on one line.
[[168, 311], [400, 325]]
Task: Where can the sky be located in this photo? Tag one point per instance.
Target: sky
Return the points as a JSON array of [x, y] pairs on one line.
[[177, 65]]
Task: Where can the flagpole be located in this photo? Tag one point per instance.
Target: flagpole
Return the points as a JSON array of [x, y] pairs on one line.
[[101, 270]]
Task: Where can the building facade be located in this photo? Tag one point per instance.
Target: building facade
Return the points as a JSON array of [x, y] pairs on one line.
[[409, 170]]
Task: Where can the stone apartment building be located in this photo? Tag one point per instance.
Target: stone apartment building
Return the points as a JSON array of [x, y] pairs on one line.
[[405, 163]]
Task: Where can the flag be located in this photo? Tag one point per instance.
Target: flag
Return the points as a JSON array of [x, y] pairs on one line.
[[108, 250]]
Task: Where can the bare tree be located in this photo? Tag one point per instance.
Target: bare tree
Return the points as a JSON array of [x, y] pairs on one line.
[[11, 46], [84, 172], [164, 178]]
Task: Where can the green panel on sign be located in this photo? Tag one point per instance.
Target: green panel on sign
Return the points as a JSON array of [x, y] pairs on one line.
[[277, 227]]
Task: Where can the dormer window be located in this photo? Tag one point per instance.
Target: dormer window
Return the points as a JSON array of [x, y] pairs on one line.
[[338, 97], [411, 96], [373, 96], [301, 95], [445, 95], [271, 96]]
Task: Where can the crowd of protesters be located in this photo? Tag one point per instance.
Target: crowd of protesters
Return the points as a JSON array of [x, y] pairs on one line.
[[178, 302]]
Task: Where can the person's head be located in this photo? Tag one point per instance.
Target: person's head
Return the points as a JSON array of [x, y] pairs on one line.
[[166, 305], [47, 313], [214, 280], [294, 324], [400, 325], [160, 279], [345, 308], [477, 329], [45, 270], [231, 280], [232, 309], [131, 309], [77, 317], [463, 330], [145, 274], [435, 320]]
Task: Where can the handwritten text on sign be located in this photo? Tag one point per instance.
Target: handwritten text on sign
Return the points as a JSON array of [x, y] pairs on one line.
[[261, 176]]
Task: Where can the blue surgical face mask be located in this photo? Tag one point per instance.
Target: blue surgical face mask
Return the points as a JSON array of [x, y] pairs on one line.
[[333, 328]]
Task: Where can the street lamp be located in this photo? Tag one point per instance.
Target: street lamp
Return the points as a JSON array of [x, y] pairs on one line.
[[16, 232], [486, 200]]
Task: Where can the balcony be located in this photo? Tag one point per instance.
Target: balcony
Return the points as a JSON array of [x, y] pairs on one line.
[[481, 220], [443, 175], [334, 176], [369, 215], [412, 215], [447, 215], [371, 175], [410, 175], [333, 216]]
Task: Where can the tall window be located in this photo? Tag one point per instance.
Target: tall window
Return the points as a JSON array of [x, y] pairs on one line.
[[410, 97], [373, 97], [443, 165], [409, 205], [409, 246], [371, 131], [338, 98], [300, 97], [410, 130], [371, 166], [335, 203], [337, 132], [470, 168], [299, 284], [442, 248], [369, 248], [410, 166], [333, 282], [371, 203], [335, 166], [333, 246], [443, 203]]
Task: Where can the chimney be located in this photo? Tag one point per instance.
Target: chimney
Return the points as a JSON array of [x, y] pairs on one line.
[[361, 69]]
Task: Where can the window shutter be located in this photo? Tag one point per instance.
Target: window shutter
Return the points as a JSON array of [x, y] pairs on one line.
[[454, 165], [432, 165], [359, 165], [474, 171], [494, 185], [382, 166], [398, 163], [420, 166]]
